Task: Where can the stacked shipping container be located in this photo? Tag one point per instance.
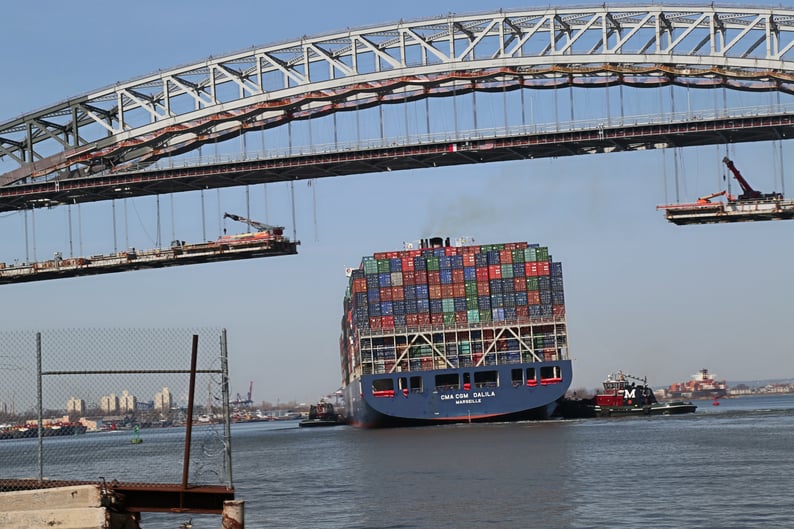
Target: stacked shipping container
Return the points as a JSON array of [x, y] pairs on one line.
[[468, 292]]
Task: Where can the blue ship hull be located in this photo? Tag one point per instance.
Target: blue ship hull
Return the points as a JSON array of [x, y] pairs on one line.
[[416, 398]]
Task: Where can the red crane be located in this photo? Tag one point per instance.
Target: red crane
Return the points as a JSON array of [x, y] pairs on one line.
[[748, 193]]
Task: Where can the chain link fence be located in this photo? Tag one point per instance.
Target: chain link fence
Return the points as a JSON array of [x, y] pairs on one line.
[[94, 405]]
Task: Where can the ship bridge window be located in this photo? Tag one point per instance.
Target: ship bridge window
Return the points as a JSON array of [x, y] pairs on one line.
[[486, 379], [383, 387], [550, 375], [447, 381], [531, 377], [517, 377], [416, 385]]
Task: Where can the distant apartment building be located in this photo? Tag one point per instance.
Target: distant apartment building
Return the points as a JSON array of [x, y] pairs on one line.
[[75, 406], [127, 402], [163, 400], [109, 404]]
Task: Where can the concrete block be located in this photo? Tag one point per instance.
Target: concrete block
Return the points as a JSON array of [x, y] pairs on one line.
[[84, 518], [53, 499]]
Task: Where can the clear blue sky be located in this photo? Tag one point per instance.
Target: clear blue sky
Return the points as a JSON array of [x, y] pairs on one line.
[[642, 295]]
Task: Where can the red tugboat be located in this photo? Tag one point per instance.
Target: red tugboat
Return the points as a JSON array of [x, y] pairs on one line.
[[623, 395]]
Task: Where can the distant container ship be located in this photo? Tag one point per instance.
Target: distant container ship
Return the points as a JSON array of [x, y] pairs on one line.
[[703, 385], [437, 333]]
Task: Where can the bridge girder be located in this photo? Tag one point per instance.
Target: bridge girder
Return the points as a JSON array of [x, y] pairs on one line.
[[178, 110]]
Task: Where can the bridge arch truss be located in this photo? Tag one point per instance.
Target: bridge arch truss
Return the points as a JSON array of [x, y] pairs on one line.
[[176, 111]]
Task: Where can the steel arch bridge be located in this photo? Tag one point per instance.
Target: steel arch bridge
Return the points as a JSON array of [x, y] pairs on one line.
[[82, 148]]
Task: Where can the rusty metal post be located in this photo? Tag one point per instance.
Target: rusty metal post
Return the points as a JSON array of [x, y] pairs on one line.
[[39, 408], [233, 514], [189, 426], [227, 427]]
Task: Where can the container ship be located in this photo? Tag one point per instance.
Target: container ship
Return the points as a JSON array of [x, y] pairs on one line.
[[439, 333], [703, 385]]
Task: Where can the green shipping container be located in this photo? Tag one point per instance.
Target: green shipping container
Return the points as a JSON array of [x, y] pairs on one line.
[[383, 265], [532, 283], [370, 267], [449, 319], [448, 305], [486, 316], [474, 317]]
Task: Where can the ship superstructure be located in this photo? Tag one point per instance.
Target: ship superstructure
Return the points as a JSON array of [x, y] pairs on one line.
[[440, 333], [703, 385]]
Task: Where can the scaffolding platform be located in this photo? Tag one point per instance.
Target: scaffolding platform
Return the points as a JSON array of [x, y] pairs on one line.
[[731, 211]]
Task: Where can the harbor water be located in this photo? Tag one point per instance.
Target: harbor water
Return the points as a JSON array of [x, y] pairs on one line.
[[726, 466]]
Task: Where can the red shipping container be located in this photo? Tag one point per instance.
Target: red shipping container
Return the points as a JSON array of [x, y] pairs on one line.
[[451, 250], [506, 256], [459, 290], [461, 317], [380, 255], [469, 259], [359, 285], [387, 322], [437, 320], [397, 293], [558, 310], [433, 277], [385, 294], [423, 319], [374, 322], [520, 284], [448, 292], [494, 271], [531, 268], [522, 312], [483, 288], [411, 320], [533, 297], [457, 275], [409, 278], [434, 291], [408, 264], [420, 277], [481, 274], [543, 268]]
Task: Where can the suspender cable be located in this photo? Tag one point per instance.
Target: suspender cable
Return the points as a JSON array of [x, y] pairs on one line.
[[292, 194], [113, 214], [203, 219]]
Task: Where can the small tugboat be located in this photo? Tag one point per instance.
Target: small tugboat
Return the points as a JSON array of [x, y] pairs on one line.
[[623, 395], [322, 414]]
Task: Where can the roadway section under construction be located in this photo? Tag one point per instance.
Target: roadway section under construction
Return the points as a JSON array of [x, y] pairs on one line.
[[750, 205], [268, 241]]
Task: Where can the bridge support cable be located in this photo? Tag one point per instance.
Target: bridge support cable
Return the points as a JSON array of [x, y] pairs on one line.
[[69, 227], [159, 242], [113, 224], [292, 200], [247, 207], [203, 218], [173, 217]]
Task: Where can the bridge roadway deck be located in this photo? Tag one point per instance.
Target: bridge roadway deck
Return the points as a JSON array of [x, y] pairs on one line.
[[117, 185]]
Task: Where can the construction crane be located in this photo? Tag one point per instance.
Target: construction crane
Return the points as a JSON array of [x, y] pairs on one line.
[[258, 226], [751, 205], [748, 193], [706, 199]]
